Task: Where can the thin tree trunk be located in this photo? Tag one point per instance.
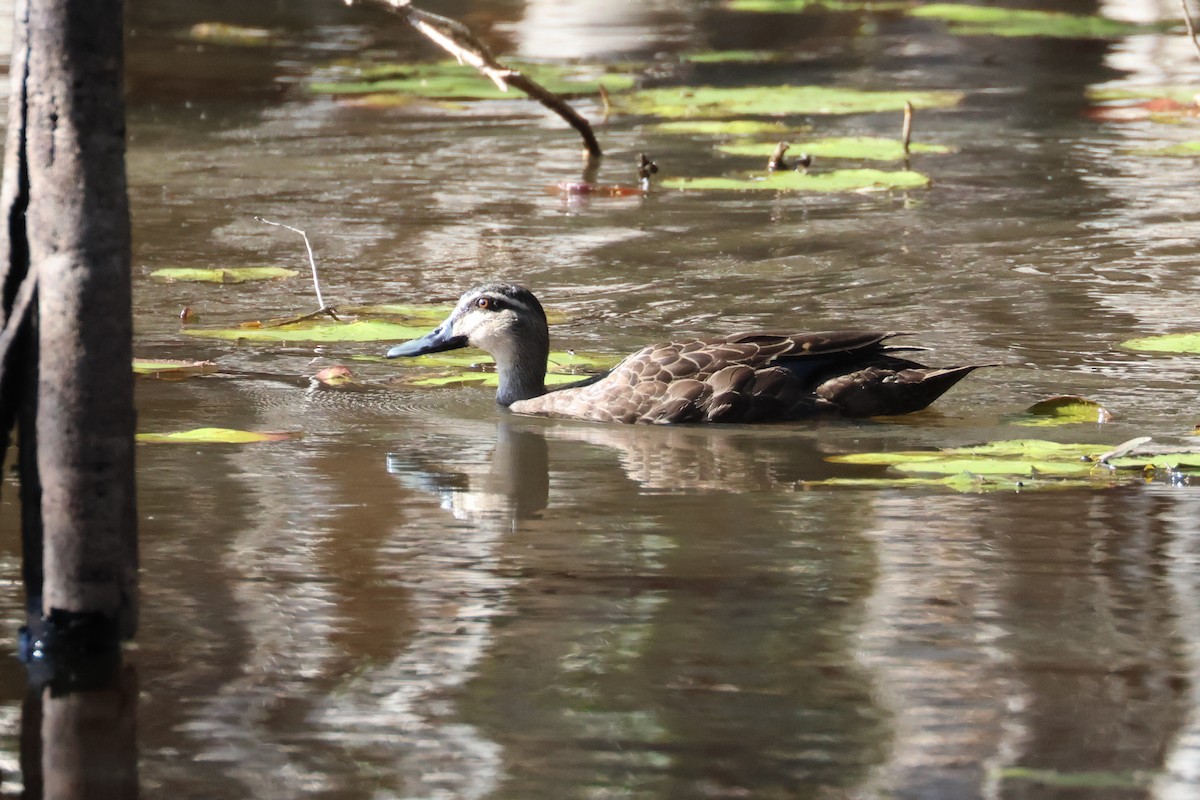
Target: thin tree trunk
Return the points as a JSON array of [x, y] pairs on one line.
[[67, 210]]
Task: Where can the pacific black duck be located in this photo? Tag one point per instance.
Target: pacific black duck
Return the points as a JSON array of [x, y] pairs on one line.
[[747, 377]]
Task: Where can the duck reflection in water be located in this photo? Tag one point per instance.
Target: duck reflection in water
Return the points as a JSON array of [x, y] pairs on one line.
[[513, 482]]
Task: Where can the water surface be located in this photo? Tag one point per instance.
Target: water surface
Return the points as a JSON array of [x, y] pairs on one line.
[[425, 597]]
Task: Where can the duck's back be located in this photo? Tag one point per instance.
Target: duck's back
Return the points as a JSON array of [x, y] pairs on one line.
[[752, 378]]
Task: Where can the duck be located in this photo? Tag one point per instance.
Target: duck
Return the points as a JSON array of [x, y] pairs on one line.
[[747, 377]]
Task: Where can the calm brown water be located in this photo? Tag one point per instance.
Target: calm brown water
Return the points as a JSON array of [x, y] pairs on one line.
[[426, 598]]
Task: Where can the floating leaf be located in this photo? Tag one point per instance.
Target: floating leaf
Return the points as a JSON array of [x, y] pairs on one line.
[[1180, 150], [731, 127], [962, 482], [1065, 410], [486, 379], [969, 20], [794, 6], [563, 367], [1167, 343], [1184, 95], [871, 148], [451, 80], [709, 101], [1097, 779], [231, 35], [215, 436], [734, 56], [323, 330], [842, 180], [172, 368], [222, 274], [1035, 463]]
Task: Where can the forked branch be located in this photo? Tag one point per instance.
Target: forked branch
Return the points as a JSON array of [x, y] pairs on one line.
[[457, 40]]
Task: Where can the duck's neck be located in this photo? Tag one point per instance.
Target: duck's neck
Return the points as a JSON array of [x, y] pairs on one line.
[[522, 374]]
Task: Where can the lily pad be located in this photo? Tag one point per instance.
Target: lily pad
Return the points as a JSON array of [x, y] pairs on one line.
[[486, 379], [1184, 94], [1023, 460], [967, 20], [469, 368], [962, 482], [1180, 150], [223, 33], [775, 101], [451, 80], [1065, 410], [731, 127], [1167, 343], [794, 6], [842, 180], [734, 57], [216, 436], [1090, 779], [170, 368], [871, 148], [222, 274], [323, 330]]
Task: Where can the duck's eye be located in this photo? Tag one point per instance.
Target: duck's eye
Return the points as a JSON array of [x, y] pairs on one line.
[[483, 302]]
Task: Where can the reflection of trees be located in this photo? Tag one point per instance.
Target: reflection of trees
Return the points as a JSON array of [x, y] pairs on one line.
[[1001, 637]]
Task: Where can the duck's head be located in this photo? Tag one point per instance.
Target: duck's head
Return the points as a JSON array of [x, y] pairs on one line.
[[504, 320]]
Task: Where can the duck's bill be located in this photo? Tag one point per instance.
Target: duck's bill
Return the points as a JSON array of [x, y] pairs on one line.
[[435, 341]]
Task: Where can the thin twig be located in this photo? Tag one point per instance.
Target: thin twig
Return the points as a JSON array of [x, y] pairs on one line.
[[312, 262], [456, 39], [1191, 26]]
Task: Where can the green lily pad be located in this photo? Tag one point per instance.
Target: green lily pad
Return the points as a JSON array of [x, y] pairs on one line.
[[775, 101], [734, 57], [1065, 410], [172, 368], [451, 80], [967, 20], [486, 379], [1023, 460], [563, 367], [795, 6], [731, 127], [965, 482], [842, 180], [872, 148], [1184, 94], [1090, 779], [223, 274], [1167, 343], [323, 330], [1180, 150], [215, 436], [223, 33]]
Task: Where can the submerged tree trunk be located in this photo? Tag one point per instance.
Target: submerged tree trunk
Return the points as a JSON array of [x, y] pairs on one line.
[[65, 202]]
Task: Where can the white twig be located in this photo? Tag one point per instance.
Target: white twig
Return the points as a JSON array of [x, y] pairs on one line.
[[312, 262]]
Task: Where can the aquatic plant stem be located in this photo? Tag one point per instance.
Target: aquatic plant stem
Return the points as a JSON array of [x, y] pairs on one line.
[[457, 40], [906, 133], [312, 263]]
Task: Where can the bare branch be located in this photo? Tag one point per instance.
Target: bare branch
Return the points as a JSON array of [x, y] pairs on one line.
[[1191, 26], [312, 262], [457, 40]]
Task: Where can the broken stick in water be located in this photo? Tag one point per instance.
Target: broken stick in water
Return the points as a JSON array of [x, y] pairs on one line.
[[457, 40]]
